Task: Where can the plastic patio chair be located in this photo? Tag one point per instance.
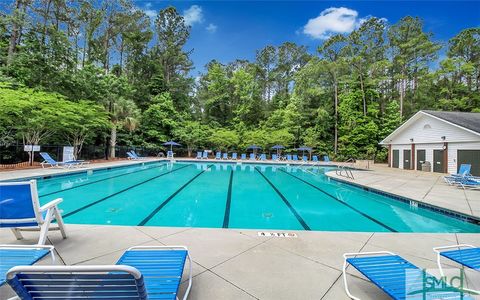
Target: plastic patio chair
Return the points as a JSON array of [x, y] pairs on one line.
[[21, 210]]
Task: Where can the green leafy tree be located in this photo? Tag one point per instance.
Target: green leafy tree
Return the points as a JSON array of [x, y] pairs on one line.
[[279, 137], [214, 94], [247, 105], [160, 120], [122, 111], [412, 50], [81, 121], [224, 139], [257, 137], [192, 134]]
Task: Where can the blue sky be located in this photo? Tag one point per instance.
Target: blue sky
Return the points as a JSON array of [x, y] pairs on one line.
[[226, 30]]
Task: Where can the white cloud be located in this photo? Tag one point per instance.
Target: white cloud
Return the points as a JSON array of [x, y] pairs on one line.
[[332, 20], [150, 12], [212, 28], [193, 15]]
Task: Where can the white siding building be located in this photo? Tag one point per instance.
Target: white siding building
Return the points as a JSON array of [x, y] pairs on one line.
[[444, 139]]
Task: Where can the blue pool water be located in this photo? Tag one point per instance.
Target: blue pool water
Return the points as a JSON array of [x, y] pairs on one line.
[[235, 196]]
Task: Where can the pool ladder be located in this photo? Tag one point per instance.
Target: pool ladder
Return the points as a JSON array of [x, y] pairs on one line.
[[346, 171]]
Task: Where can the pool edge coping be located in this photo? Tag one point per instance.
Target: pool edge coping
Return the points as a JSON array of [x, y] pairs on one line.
[[431, 207], [82, 170]]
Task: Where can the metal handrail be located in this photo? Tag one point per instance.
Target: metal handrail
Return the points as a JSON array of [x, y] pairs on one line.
[[348, 172]]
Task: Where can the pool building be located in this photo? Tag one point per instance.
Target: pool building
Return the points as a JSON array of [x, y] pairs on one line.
[[436, 141]]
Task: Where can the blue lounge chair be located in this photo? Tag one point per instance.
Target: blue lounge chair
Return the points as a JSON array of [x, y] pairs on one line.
[[315, 158], [225, 155], [274, 157], [20, 210], [304, 158], [48, 160], [472, 183], [21, 255], [142, 272], [394, 275], [295, 157], [218, 155], [131, 156], [463, 172], [169, 154], [326, 159], [205, 155], [140, 157], [234, 155], [243, 156], [464, 254], [289, 157], [252, 156], [263, 156], [199, 155]]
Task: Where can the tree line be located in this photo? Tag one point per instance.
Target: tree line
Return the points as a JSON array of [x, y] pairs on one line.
[[103, 72]]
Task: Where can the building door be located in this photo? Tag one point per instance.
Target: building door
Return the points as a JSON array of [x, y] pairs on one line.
[[407, 156], [420, 159], [471, 157], [438, 163], [395, 158]]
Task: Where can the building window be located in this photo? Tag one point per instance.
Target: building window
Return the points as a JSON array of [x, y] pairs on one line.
[[427, 126]]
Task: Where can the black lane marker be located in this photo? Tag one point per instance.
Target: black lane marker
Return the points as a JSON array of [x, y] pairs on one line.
[[226, 218], [294, 212], [103, 179], [121, 191], [342, 202], [162, 205]]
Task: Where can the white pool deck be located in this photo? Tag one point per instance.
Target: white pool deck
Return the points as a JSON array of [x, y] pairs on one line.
[[238, 264]]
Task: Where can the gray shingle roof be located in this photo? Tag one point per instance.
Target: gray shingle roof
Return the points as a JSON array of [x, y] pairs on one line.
[[467, 120]]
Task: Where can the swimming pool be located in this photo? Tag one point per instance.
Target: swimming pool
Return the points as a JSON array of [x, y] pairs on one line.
[[231, 195]]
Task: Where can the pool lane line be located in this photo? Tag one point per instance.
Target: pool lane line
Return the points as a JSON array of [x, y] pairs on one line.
[[287, 203], [343, 202], [103, 179], [119, 192], [226, 218], [165, 202]]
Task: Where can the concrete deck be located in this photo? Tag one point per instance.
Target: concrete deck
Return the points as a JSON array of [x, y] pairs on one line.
[[427, 187], [238, 264]]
